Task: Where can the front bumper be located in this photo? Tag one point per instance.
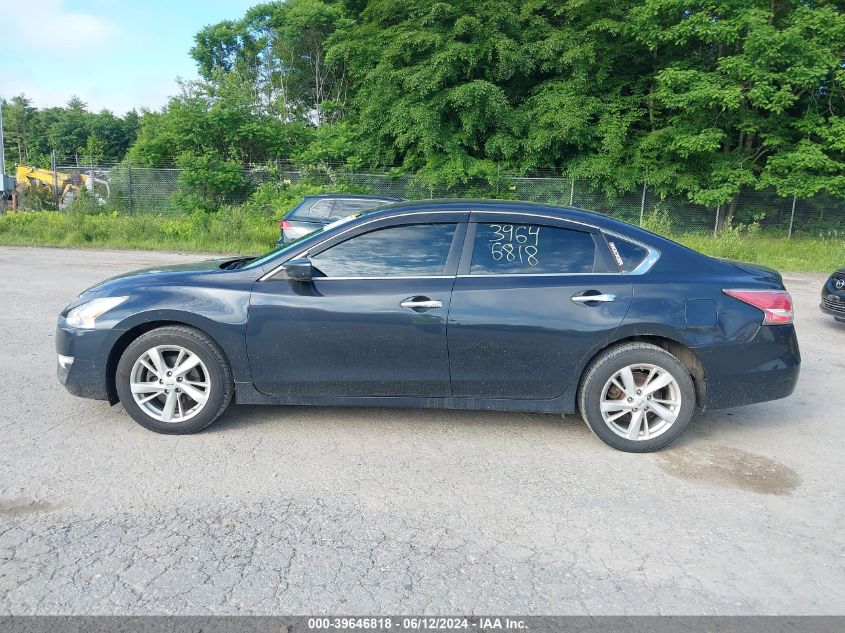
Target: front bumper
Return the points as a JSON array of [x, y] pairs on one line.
[[833, 297], [765, 368], [834, 305], [82, 359]]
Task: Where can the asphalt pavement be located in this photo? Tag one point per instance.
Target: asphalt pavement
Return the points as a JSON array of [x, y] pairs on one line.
[[290, 510]]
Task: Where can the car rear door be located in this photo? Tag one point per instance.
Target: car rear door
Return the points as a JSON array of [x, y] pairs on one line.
[[522, 318], [373, 325]]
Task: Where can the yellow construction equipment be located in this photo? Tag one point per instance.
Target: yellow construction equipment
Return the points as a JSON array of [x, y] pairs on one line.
[[67, 185]]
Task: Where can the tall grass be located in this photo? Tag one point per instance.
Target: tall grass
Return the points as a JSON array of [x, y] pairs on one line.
[[230, 230], [824, 253], [248, 230]]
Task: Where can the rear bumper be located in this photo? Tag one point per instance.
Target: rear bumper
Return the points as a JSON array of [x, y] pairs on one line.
[[765, 368]]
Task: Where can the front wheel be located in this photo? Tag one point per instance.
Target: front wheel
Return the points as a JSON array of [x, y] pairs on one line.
[[174, 379], [637, 397]]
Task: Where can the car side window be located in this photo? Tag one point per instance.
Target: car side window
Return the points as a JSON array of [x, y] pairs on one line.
[[627, 255], [502, 248], [411, 250], [351, 206], [338, 211], [321, 209]]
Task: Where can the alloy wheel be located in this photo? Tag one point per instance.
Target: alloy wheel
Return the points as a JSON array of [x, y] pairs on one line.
[[640, 402], [170, 383]]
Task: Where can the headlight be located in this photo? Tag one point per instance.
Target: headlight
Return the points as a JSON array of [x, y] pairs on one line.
[[84, 316]]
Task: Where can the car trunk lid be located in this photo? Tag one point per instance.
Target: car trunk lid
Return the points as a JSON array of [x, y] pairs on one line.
[[758, 270]]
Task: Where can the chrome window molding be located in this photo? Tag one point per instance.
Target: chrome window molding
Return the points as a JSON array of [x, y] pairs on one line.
[[384, 277], [609, 274], [538, 215], [643, 267]]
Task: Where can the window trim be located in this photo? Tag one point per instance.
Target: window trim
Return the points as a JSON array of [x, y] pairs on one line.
[[382, 278], [469, 239]]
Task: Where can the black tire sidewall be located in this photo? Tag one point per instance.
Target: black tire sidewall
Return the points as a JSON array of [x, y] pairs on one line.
[[610, 363], [195, 342]]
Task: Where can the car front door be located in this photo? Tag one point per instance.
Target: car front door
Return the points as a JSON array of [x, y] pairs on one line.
[[521, 317], [371, 322]]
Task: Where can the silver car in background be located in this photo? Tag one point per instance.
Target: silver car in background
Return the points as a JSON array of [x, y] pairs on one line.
[[314, 212]]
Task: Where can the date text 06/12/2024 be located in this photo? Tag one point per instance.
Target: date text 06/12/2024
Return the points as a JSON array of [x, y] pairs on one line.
[[410, 623]]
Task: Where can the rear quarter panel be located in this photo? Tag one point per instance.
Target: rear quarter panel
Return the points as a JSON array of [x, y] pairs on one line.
[[743, 361]]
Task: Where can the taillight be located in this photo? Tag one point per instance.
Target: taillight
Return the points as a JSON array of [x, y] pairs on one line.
[[284, 224], [775, 304]]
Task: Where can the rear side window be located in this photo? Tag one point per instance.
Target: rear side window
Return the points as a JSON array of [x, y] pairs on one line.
[[319, 210], [351, 206], [531, 249], [626, 255], [412, 250]]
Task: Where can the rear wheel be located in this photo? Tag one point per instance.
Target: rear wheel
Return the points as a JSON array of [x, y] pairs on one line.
[[637, 397], [174, 380]]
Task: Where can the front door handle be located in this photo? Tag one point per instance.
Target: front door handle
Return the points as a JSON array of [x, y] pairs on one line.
[[588, 298], [421, 303]]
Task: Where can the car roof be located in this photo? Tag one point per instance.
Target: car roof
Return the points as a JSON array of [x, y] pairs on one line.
[[356, 196], [669, 249], [564, 212]]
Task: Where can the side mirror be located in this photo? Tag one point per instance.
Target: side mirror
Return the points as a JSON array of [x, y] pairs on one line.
[[299, 269]]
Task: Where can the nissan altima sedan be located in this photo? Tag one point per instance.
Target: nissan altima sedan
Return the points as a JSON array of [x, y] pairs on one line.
[[453, 304]]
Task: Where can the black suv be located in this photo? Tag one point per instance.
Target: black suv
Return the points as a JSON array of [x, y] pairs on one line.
[[833, 296]]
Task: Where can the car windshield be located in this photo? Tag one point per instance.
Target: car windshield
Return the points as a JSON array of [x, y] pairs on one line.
[[289, 246]]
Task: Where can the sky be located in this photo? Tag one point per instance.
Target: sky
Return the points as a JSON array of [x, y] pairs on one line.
[[113, 54]]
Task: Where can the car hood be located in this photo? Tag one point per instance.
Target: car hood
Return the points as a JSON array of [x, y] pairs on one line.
[[167, 274]]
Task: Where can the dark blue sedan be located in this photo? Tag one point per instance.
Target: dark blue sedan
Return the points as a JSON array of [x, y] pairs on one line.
[[455, 304]]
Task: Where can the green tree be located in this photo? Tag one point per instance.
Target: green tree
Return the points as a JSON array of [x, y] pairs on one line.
[[705, 99], [279, 50], [18, 125], [69, 133], [747, 94], [209, 179]]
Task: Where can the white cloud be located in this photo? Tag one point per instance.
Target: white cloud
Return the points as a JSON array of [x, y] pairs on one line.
[[52, 29]]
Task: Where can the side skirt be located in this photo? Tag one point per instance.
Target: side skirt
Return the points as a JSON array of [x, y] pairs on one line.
[[246, 393]]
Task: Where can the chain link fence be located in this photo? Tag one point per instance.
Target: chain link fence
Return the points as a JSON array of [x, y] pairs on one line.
[[128, 189]]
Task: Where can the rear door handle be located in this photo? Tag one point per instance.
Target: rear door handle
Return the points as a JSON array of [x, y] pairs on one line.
[[421, 303], [588, 298]]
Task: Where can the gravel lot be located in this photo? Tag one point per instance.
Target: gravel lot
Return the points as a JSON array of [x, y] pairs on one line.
[[315, 510]]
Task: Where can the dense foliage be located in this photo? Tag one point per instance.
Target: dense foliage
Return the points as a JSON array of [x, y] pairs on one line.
[[73, 132], [703, 98]]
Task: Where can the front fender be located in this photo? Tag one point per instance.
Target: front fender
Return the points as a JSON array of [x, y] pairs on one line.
[[221, 313]]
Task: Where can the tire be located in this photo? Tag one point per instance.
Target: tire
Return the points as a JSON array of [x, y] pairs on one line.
[[184, 400], [663, 415]]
